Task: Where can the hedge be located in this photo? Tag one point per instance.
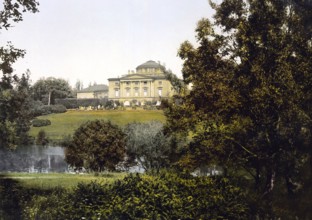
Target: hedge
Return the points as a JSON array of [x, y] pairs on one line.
[[163, 196], [73, 103], [48, 109], [41, 122]]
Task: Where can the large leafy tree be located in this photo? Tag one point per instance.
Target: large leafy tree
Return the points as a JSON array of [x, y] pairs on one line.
[[147, 145], [51, 88], [96, 145], [250, 106], [14, 118]]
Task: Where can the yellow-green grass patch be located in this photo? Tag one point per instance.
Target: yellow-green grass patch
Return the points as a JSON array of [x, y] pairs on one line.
[[66, 123], [63, 180]]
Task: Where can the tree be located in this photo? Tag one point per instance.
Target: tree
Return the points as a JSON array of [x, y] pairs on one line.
[[42, 138], [96, 145], [14, 124], [13, 10], [51, 88], [23, 105], [79, 85], [15, 113], [250, 104], [147, 145]]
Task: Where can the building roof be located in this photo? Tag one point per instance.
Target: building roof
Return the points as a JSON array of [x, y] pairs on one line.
[[95, 88], [150, 64], [138, 77]]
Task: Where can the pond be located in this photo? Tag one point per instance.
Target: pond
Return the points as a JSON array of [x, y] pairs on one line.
[[33, 159]]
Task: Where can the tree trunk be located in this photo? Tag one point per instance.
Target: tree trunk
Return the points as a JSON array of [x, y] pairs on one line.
[[270, 180], [49, 100]]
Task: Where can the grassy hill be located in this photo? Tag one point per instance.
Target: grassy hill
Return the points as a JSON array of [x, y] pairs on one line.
[[66, 123]]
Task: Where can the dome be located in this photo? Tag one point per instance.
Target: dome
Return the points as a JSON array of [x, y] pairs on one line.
[[150, 64]]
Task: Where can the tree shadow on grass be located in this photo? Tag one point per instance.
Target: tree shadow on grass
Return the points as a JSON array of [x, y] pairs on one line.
[[11, 193], [14, 197]]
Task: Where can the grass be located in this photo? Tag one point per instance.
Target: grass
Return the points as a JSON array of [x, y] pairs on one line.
[[66, 123], [63, 180]]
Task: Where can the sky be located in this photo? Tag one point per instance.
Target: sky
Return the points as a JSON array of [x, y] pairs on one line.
[[95, 40]]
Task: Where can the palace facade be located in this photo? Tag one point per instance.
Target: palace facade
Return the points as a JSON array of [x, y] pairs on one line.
[[148, 83]]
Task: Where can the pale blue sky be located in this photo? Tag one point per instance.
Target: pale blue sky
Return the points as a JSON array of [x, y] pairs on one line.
[[99, 39]]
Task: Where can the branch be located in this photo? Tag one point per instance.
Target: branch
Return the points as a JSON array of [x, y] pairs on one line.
[[244, 148]]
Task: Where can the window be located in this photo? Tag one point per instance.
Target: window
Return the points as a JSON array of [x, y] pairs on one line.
[[116, 83], [145, 83], [159, 82], [145, 91], [127, 83], [127, 92], [136, 91], [116, 92], [160, 91], [136, 83]]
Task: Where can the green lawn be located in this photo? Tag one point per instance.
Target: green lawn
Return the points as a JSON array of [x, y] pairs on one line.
[[66, 123], [63, 180]]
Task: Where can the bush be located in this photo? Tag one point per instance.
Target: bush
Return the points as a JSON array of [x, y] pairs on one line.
[[109, 105], [48, 109], [69, 103], [42, 138], [164, 196], [41, 122], [58, 109]]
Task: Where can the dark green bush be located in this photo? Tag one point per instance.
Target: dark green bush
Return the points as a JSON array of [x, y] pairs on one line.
[[164, 196], [69, 103], [42, 138], [41, 122], [58, 108], [48, 109], [73, 103]]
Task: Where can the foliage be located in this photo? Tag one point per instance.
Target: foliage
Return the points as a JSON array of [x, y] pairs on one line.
[[15, 111], [250, 103], [14, 91], [147, 144], [41, 122], [13, 10], [69, 103], [42, 138], [22, 195], [96, 145], [47, 90], [110, 104], [40, 109], [73, 103], [164, 196]]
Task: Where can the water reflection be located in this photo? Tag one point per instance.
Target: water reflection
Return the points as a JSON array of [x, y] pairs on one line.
[[33, 159]]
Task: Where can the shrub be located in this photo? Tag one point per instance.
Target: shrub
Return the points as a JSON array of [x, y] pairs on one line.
[[41, 122], [109, 105], [163, 196], [42, 138], [48, 109], [69, 103], [58, 108]]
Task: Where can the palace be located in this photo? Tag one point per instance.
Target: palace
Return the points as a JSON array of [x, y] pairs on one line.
[[148, 83]]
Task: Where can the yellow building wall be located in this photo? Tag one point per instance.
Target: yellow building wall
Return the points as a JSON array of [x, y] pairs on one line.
[[152, 89]]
